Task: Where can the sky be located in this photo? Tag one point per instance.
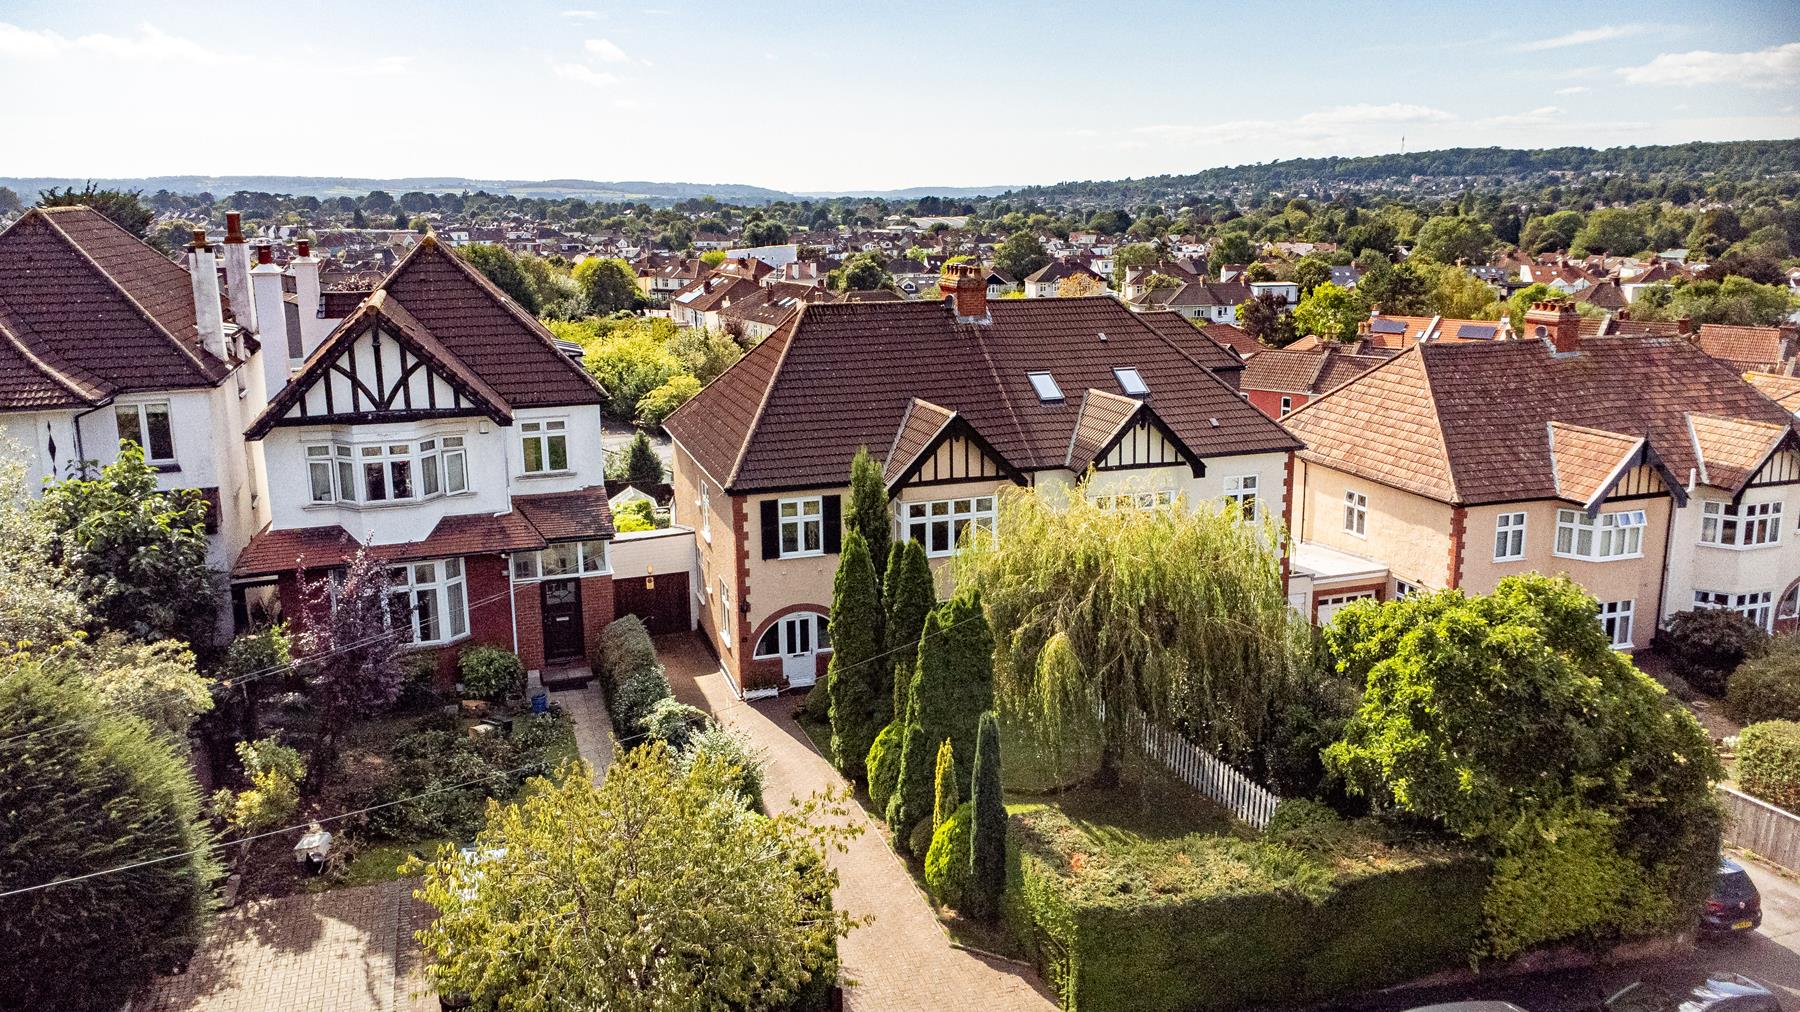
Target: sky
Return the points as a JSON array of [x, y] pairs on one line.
[[850, 94]]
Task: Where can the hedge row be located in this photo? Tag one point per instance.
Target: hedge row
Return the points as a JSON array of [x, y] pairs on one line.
[[631, 675], [1768, 762], [1279, 928]]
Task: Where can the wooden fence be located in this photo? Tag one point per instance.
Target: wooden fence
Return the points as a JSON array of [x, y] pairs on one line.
[[1768, 832], [1214, 777]]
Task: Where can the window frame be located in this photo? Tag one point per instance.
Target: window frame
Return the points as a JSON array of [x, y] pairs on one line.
[[925, 515], [1151, 499], [821, 636], [550, 436], [799, 524], [1247, 497], [1356, 513], [1511, 528], [1128, 377], [1733, 525], [724, 598], [1756, 605], [145, 438], [432, 460], [448, 590], [1600, 534], [592, 557], [1049, 391], [1616, 617], [1287, 406]]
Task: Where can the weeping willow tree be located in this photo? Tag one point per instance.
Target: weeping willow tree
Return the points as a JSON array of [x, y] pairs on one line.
[[1178, 613]]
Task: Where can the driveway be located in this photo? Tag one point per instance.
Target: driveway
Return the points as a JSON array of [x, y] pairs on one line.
[[902, 959]]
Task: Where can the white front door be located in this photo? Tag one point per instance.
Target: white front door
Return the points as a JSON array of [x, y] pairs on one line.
[[798, 651]]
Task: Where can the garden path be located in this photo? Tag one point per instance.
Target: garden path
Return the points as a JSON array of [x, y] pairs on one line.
[[593, 725]]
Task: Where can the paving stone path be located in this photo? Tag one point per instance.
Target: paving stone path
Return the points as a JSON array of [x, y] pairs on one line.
[[902, 960], [593, 725]]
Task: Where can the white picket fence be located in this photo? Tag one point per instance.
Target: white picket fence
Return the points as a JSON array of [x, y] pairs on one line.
[[1214, 777]]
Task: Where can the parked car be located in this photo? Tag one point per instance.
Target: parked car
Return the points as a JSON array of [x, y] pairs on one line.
[[1721, 991], [1734, 905]]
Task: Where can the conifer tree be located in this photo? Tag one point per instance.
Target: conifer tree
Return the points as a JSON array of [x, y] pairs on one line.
[[911, 595], [951, 685], [944, 794], [987, 841], [868, 507], [854, 675]]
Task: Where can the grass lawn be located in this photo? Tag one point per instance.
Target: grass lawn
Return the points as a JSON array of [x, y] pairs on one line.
[[378, 861]]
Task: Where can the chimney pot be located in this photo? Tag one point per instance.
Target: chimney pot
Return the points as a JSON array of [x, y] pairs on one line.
[[304, 246], [199, 240], [265, 254], [234, 226]]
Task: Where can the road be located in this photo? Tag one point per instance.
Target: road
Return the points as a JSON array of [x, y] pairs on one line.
[[1770, 955]]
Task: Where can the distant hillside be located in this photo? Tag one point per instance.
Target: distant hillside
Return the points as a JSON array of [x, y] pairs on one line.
[[1451, 168], [911, 192], [340, 186]]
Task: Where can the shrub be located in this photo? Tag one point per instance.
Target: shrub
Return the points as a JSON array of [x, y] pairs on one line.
[[1769, 762], [947, 860], [673, 722], [1706, 645], [632, 517], [630, 673], [625, 646], [488, 672], [427, 762], [987, 839], [952, 685], [884, 766], [720, 743], [944, 794], [854, 677], [634, 695], [1767, 687]]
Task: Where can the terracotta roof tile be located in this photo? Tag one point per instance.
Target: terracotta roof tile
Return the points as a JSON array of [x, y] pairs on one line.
[[1730, 450], [1783, 390], [584, 514], [1586, 462], [1746, 349]]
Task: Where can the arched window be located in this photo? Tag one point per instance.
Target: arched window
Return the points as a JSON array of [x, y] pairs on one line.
[[805, 632]]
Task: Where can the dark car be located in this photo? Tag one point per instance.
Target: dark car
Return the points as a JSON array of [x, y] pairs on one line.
[[1734, 905], [1721, 991]]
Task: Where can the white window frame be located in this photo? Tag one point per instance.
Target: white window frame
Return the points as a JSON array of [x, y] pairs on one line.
[[1356, 513], [1402, 588], [550, 436], [140, 414], [1609, 537], [1616, 618], [1045, 386], [1758, 605], [444, 583], [704, 505], [807, 517], [1509, 536], [1287, 406], [821, 636], [1242, 491], [724, 612], [1131, 381], [563, 560], [1741, 526], [936, 522], [1147, 500], [336, 471]]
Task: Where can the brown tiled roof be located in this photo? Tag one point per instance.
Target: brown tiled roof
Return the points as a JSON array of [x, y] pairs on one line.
[[1606, 295], [919, 428], [1102, 415], [1586, 462], [1059, 269], [1731, 450], [533, 522], [1229, 335], [793, 411], [1469, 423], [1198, 342], [86, 300], [1747, 349], [33, 376], [1306, 370], [1783, 390]]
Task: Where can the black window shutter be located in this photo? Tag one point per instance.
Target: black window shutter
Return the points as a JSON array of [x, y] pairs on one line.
[[834, 524], [771, 528]]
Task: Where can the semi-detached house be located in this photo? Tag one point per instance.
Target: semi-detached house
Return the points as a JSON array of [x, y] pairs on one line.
[[957, 400], [1643, 468]]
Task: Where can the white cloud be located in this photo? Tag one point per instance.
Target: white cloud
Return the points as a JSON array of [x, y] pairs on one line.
[[1579, 89], [583, 74], [582, 15], [149, 45], [1340, 129], [1584, 37], [605, 51], [1774, 67], [1541, 116]]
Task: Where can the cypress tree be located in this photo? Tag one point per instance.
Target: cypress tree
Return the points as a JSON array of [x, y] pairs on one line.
[[868, 512], [911, 595], [952, 684], [987, 841], [944, 799], [854, 675]]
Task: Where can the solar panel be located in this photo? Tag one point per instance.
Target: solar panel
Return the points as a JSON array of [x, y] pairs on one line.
[[1477, 332], [1388, 327]]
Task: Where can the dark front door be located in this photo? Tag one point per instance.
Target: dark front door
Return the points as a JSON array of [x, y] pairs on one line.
[[562, 619]]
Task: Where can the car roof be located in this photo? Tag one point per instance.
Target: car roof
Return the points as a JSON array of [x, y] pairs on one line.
[[1727, 865]]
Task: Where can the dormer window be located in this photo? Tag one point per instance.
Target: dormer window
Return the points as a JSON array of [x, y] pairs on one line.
[[1045, 385], [1132, 382]]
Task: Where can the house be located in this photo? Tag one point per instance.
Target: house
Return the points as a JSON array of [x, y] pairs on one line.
[[1199, 300], [1137, 279], [957, 399], [440, 424], [1229, 335], [104, 339], [1044, 282], [1750, 349], [1387, 333], [1647, 471], [1287, 291], [1346, 276], [1280, 380], [698, 304]]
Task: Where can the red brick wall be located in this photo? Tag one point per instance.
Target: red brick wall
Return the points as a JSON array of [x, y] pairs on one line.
[[1459, 524], [596, 611], [1269, 401], [530, 603]]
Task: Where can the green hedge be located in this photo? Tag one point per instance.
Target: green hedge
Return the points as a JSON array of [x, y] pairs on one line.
[[632, 676], [1277, 926], [1767, 687], [1768, 762]]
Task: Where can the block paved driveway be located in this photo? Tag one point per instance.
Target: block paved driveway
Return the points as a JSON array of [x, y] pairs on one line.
[[903, 959]]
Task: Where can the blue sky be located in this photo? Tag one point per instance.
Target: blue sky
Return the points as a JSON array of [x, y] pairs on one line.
[[841, 95]]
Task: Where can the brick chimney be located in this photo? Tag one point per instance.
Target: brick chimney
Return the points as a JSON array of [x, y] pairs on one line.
[[237, 272], [965, 290], [1557, 323], [209, 314]]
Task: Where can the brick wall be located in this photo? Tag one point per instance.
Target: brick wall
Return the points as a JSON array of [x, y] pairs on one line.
[[596, 611], [529, 601]]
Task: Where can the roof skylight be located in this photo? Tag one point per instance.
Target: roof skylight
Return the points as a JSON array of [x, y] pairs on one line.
[[1131, 382], [1045, 385]]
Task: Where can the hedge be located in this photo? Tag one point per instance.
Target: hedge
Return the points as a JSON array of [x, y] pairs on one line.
[[1277, 926], [1706, 645], [489, 672], [884, 765], [1768, 762], [1767, 687], [632, 676]]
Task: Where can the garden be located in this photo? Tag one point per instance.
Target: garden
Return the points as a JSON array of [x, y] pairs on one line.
[[1486, 758]]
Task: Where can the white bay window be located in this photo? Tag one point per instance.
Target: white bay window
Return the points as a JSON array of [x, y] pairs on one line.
[[1746, 525], [429, 601], [562, 560], [1607, 536], [1757, 606], [386, 472]]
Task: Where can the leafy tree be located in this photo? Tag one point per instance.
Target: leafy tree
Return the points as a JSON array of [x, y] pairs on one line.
[[155, 681], [1510, 720], [1331, 312], [944, 791], [402, 222], [987, 847], [868, 512], [1550, 232], [1266, 318], [630, 364], [88, 789], [765, 232], [1077, 286], [378, 202], [1309, 273], [1457, 294], [713, 257], [138, 554], [355, 628], [1020, 255], [1127, 257], [40, 601], [634, 516], [1736, 300], [502, 267], [639, 462], [1705, 645], [1613, 230], [661, 402], [1402, 289], [864, 272], [1180, 613], [607, 284], [909, 592], [656, 889], [122, 206], [1375, 236], [705, 353], [1230, 248], [951, 685], [1767, 687], [9, 200], [1519, 302], [853, 679], [1450, 239]]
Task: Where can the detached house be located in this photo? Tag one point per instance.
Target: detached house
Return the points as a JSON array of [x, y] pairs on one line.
[[957, 399], [440, 424], [1641, 467], [104, 339]]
